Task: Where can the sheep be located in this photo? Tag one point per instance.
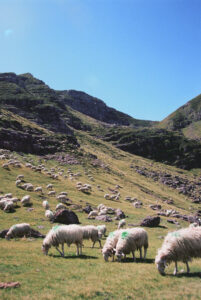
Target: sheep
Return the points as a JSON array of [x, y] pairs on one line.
[[63, 193], [45, 204], [102, 230], [25, 200], [18, 230], [91, 232], [130, 240], [49, 186], [20, 177], [38, 189], [61, 234], [122, 223], [110, 244], [7, 204], [107, 196], [51, 193], [92, 214], [17, 182], [9, 195], [62, 198], [49, 214], [101, 206], [60, 206], [181, 245]]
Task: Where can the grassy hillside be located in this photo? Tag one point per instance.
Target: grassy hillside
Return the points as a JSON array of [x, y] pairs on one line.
[[88, 276], [186, 118]]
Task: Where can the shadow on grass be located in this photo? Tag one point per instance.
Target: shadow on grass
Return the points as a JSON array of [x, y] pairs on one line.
[[74, 256], [138, 260], [190, 275]]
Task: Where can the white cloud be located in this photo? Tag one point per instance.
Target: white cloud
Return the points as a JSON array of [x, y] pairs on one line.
[[8, 32]]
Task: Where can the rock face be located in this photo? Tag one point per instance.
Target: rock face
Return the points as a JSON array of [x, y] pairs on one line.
[[97, 109], [150, 222], [65, 216]]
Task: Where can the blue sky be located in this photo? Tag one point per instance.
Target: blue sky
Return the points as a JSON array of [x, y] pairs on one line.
[[142, 57]]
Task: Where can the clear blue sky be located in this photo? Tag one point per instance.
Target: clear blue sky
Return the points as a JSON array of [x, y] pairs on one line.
[[142, 57]]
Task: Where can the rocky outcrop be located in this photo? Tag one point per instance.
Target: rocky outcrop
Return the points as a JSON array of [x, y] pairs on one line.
[[65, 216]]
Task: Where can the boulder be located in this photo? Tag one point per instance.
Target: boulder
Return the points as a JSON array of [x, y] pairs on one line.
[[65, 216], [104, 218], [150, 221], [87, 209]]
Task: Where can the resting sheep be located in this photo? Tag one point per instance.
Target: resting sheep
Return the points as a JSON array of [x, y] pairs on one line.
[[132, 239], [49, 214], [25, 200], [61, 234], [91, 232], [181, 245], [18, 230]]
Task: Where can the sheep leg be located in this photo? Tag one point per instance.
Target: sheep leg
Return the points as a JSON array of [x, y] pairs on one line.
[[77, 249], [141, 253], [187, 266], [63, 249], [133, 253], [145, 253], [81, 249], [175, 269], [100, 244], [59, 251], [93, 244]]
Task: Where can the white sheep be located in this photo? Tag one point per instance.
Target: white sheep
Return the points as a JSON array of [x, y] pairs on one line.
[[25, 200], [18, 230], [51, 193], [17, 182], [20, 177], [7, 204], [101, 230], [110, 244], [49, 214], [132, 239], [49, 186], [61, 234], [92, 214], [38, 189], [62, 199], [60, 206], [181, 245], [45, 204], [122, 223], [91, 232]]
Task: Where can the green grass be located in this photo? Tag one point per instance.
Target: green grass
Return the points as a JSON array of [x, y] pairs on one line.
[[88, 276]]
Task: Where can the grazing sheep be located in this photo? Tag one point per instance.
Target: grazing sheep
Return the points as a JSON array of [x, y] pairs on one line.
[[49, 214], [101, 230], [130, 240], [61, 234], [25, 200], [92, 214], [102, 212], [122, 223], [91, 232], [60, 206], [51, 193], [9, 195], [18, 230], [107, 196], [20, 177], [49, 186], [110, 244], [38, 189], [17, 182], [62, 198], [63, 193], [45, 204], [181, 245]]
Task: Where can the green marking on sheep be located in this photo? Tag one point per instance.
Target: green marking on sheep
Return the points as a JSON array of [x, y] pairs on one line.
[[124, 234], [175, 234], [111, 234], [99, 227], [55, 227]]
